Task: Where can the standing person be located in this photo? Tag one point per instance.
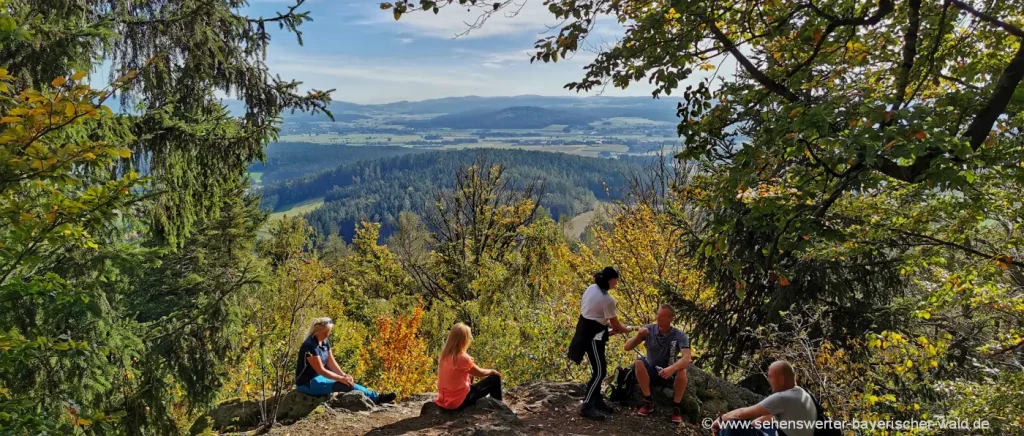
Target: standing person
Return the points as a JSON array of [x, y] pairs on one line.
[[318, 374], [664, 343], [454, 368], [597, 313]]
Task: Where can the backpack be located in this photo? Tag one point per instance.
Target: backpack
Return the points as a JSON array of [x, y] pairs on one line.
[[624, 386], [825, 431]]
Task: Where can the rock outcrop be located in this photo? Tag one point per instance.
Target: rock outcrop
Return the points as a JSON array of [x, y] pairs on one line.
[[706, 396], [486, 417], [240, 415], [539, 408]]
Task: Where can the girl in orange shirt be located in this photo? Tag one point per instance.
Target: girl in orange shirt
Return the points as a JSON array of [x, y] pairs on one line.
[[454, 368]]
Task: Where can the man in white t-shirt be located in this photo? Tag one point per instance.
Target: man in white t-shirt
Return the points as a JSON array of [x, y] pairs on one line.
[[789, 406]]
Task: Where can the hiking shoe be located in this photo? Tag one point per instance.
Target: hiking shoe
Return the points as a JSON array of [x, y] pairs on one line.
[[603, 407], [646, 408], [386, 398], [590, 412], [677, 415]]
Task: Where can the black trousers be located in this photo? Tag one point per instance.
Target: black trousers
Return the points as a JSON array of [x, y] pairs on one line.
[[598, 370], [490, 385]]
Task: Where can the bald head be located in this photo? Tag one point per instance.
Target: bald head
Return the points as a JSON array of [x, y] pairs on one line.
[[781, 376]]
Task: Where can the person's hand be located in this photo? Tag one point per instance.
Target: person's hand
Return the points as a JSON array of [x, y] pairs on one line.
[[643, 333], [715, 426], [347, 380], [666, 373], [494, 372]]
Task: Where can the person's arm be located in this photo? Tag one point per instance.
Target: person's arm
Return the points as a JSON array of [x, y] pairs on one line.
[[333, 366], [636, 340], [616, 326], [478, 372], [745, 413], [610, 312], [318, 366], [685, 360]]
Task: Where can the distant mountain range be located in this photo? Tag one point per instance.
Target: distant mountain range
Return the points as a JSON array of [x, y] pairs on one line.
[[572, 110]]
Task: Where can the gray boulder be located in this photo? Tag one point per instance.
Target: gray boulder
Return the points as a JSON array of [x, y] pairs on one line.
[[706, 396], [354, 401], [483, 406], [296, 405], [238, 415], [485, 417]]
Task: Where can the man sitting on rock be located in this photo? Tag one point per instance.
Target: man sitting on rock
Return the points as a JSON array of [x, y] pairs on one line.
[[664, 343], [788, 402]]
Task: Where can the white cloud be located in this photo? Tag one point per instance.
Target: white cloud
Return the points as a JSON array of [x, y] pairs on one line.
[[521, 17], [341, 67], [406, 40]]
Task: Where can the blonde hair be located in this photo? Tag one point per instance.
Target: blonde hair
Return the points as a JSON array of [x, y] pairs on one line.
[[459, 339], [318, 324]]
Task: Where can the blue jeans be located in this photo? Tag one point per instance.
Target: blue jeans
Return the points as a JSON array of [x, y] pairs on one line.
[[321, 386]]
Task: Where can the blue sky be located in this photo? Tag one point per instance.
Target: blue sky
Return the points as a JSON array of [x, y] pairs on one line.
[[369, 57]]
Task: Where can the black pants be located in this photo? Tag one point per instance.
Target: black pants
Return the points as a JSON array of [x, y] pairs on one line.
[[490, 385], [598, 370]]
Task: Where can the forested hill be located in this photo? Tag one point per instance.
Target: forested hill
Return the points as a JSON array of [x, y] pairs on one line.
[[378, 190], [518, 117], [289, 160]]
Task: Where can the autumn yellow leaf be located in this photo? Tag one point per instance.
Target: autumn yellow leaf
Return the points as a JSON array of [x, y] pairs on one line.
[[125, 153], [10, 119], [920, 135], [59, 81], [79, 76]]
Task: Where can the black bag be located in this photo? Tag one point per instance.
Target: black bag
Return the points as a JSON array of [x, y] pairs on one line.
[[822, 417], [624, 386]]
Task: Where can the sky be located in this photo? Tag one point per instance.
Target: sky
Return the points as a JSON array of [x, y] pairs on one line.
[[368, 57]]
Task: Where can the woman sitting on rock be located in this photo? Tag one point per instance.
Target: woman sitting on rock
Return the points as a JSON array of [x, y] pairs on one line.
[[454, 368], [318, 374]]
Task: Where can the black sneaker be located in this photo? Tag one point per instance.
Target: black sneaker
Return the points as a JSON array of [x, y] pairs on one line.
[[386, 398], [603, 407], [590, 412]]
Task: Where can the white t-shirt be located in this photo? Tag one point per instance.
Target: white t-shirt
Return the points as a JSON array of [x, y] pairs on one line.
[[793, 405], [598, 306]]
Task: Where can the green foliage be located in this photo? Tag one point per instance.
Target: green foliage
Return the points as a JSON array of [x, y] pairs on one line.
[[864, 162], [125, 239]]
